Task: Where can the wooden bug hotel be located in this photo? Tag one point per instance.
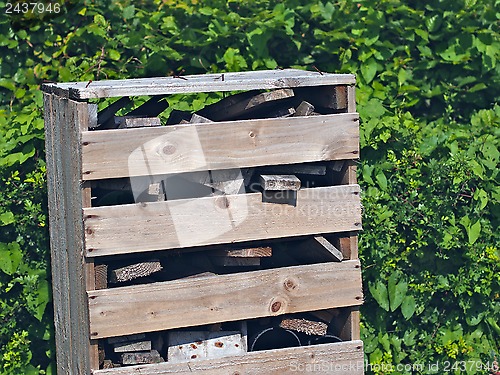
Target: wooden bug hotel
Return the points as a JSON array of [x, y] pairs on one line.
[[216, 240]]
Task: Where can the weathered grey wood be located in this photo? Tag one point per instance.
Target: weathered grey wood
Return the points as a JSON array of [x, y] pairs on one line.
[[350, 329], [280, 197], [199, 119], [188, 302], [351, 98], [304, 109], [63, 119], [279, 182], [309, 327], [245, 105], [226, 181], [349, 245], [224, 145], [134, 271], [198, 345], [215, 220], [203, 274], [252, 252], [93, 110], [128, 122], [134, 346], [136, 358], [264, 79], [344, 358]]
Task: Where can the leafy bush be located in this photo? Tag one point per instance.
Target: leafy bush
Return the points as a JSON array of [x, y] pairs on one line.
[[428, 81]]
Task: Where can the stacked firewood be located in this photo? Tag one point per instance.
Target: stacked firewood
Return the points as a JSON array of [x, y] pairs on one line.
[[278, 184]]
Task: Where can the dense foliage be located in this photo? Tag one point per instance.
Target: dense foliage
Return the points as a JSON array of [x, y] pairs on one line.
[[428, 88]]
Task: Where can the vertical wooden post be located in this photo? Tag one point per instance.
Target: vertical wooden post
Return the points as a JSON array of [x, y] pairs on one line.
[[349, 318], [63, 118]]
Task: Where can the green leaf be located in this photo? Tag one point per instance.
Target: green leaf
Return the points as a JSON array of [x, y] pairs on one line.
[[114, 54], [397, 291], [433, 23], [382, 180], [379, 291], [129, 12], [473, 231], [10, 257], [369, 69], [482, 196], [43, 297], [6, 218], [408, 306]]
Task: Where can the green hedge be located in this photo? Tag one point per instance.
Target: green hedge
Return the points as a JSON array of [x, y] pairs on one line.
[[428, 88]]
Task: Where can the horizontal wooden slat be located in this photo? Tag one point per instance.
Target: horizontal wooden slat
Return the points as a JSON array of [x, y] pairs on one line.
[[264, 79], [183, 303], [220, 219], [222, 145], [343, 358]]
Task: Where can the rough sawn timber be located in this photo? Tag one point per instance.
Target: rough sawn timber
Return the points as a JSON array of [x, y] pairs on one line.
[[222, 145], [264, 79], [183, 303], [111, 230], [343, 358]]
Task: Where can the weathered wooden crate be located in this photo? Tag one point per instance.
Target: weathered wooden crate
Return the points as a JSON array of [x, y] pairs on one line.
[[86, 238]]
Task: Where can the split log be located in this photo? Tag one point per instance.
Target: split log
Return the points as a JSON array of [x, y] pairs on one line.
[[304, 109], [133, 346], [252, 252], [306, 326], [246, 104], [101, 276], [226, 181], [128, 122], [139, 358], [279, 182], [199, 119], [134, 271]]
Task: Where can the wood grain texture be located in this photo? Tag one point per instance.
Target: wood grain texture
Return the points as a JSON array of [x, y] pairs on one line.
[[343, 358], [189, 302], [279, 182], [63, 119], [251, 252], [309, 327], [264, 79], [351, 327], [223, 145], [134, 271], [216, 220]]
